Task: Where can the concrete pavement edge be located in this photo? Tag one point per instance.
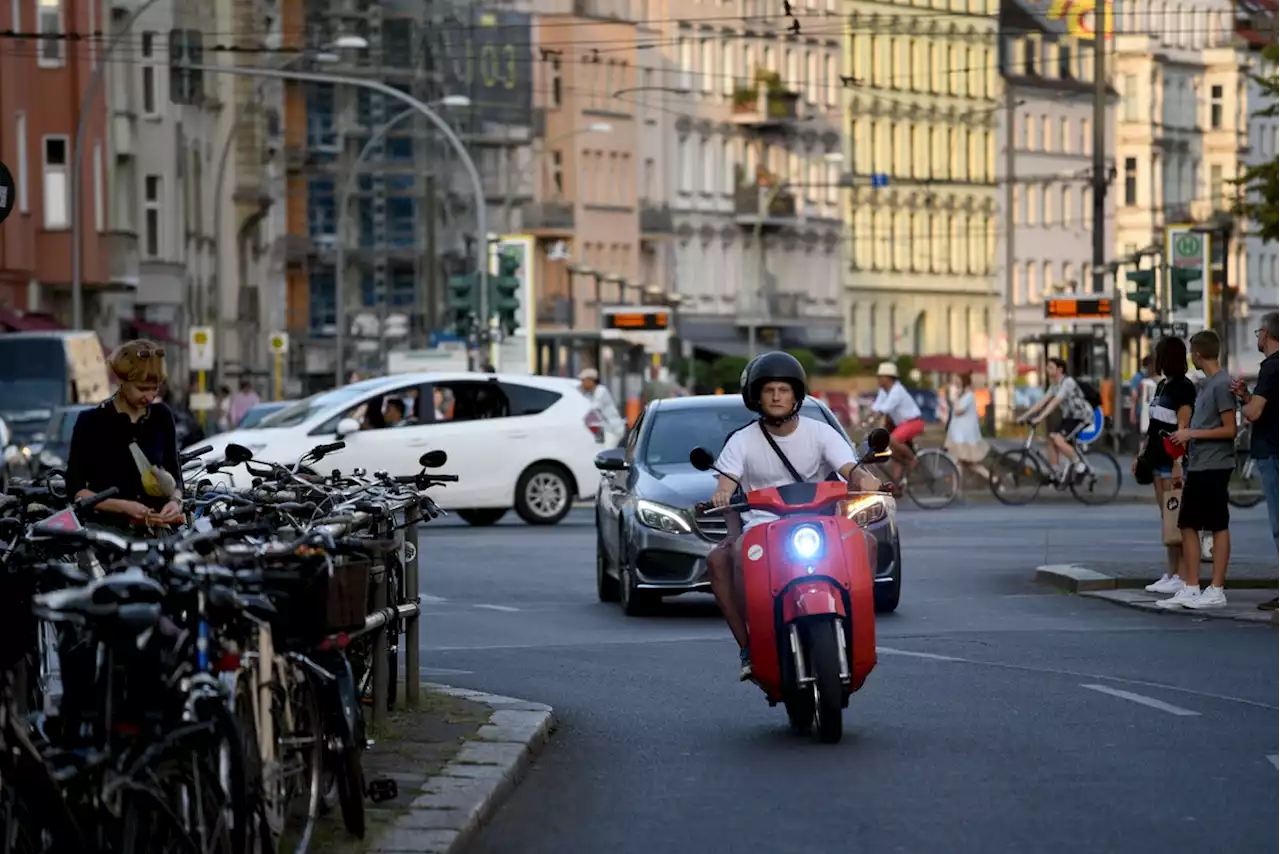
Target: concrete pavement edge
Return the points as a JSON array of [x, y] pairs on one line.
[[456, 803]]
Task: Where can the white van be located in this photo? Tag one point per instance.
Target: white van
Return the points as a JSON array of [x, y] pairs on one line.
[[40, 371]]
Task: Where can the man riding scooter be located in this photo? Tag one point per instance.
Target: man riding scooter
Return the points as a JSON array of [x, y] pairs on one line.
[[788, 448]]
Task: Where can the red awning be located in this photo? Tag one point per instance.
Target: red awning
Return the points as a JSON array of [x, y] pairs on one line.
[[26, 322], [154, 331], [945, 364]]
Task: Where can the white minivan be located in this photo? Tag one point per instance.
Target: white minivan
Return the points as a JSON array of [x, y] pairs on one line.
[[519, 441]]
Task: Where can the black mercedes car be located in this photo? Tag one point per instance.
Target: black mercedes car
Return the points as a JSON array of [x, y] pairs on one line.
[[648, 542]]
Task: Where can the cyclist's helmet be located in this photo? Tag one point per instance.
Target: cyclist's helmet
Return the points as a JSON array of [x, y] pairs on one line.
[[774, 367]]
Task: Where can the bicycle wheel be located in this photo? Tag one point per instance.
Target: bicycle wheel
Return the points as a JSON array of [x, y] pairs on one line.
[[1101, 484], [291, 780], [935, 481], [1016, 477], [1245, 490]]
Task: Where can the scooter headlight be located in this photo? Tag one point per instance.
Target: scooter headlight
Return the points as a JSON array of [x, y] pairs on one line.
[[806, 541]]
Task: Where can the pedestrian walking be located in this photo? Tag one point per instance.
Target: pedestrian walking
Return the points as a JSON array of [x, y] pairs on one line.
[[243, 400], [1210, 444], [1259, 409], [1170, 411], [603, 405], [964, 429]]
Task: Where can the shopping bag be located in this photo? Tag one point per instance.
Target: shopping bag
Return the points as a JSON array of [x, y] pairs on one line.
[[1169, 516]]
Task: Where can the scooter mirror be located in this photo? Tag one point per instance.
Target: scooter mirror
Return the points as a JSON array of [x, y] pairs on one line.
[[701, 459], [433, 459], [236, 454], [878, 440]]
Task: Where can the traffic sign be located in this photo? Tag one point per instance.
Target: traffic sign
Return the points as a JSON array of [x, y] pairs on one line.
[[279, 343], [1188, 249], [1077, 309], [200, 348], [8, 192]]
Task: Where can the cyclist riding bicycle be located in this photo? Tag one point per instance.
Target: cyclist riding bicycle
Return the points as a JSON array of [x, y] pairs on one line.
[[1064, 393], [902, 417]]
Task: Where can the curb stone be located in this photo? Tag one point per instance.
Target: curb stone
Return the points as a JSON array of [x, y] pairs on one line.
[[1119, 591], [455, 804]]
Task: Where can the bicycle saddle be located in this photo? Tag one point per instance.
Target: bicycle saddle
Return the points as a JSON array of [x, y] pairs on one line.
[[102, 596]]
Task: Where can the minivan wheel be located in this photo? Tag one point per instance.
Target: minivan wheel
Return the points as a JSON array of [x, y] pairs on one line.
[[544, 495], [480, 517]]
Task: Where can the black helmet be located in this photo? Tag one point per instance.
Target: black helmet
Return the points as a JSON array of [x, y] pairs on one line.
[[773, 367]]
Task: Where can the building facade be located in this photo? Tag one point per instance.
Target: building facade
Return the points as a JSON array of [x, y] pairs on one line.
[[42, 83], [922, 228], [753, 166], [1049, 75]]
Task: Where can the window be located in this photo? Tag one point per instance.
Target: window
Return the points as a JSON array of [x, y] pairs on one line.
[[707, 65], [1033, 204], [148, 75], [1046, 207], [833, 82], [151, 225], [1215, 186], [527, 400], [1019, 286], [812, 83], [1068, 215], [1024, 131], [1064, 133], [684, 165], [1033, 291], [1130, 181], [99, 202], [685, 81], [1130, 98], [557, 173], [726, 68], [557, 82], [56, 202], [20, 130], [1064, 61], [52, 53], [1086, 137], [1215, 107]]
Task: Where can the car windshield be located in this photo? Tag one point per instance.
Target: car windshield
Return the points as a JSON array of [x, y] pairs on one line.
[[62, 424], [255, 416], [301, 412], [676, 432]]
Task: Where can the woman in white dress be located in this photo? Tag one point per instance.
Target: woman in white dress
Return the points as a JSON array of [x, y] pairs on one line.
[[964, 432]]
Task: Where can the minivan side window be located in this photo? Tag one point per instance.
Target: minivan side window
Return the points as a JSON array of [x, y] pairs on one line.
[[528, 400], [471, 400]]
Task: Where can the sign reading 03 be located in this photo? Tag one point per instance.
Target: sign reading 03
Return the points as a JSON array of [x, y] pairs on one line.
[[491, 56], [1073, 309]]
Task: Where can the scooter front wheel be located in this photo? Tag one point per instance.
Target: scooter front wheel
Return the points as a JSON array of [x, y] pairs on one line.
[[828, 688]]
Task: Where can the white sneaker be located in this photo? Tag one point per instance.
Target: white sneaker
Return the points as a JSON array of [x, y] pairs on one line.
[[1181, 599], [1211, 597], [1166, 584]]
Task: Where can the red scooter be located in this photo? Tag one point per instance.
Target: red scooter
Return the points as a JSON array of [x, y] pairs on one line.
[[810, 606]]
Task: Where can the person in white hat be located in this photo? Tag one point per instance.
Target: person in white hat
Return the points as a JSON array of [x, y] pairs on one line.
[[901, 413], [602, 403]]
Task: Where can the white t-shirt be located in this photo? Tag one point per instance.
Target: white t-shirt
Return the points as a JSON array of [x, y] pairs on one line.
[[897, 403], [815, 448]]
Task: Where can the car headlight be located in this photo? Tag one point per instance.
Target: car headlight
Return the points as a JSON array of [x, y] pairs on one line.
[[866, 510], [662, 518], [806, 541]]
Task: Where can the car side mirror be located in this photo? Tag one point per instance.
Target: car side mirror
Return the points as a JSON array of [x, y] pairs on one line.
[[346, 427], [612, 459]]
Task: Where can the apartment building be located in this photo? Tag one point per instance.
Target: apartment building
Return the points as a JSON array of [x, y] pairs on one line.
[[922, 124], [753, 166], [42, 84], [1049, 75]]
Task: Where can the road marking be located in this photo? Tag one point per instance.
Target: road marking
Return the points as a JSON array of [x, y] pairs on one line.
[[1275, 760], [428, 599], [443, 671], [1142, 700], [506, 609], [884, 650]]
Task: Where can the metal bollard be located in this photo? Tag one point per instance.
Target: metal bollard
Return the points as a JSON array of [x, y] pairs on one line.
[[379, 581], [411, 657]]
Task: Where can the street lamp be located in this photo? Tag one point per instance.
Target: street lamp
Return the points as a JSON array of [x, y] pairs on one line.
[[325, 55]]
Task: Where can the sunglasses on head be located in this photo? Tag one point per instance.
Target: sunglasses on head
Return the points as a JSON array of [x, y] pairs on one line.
[[148, 352]]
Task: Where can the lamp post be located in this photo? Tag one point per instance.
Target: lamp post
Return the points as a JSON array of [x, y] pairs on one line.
[[77, 156], [325, 55], [344, 194]]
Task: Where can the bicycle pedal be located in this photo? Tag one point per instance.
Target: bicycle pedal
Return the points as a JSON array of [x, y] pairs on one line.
[[382, 789]]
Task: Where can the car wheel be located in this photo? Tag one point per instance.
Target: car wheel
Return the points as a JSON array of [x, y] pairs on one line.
[[887, 595], [482, 517], [544, 495], [635, 602], [606, 584]]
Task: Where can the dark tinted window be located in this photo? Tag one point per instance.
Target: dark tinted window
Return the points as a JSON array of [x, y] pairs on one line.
[[676, 432], [33, 375], [527, 400]]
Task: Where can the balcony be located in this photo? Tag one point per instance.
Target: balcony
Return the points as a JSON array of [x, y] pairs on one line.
[[749, 209], [122, 258], [124, 131], [656, 220], [765, 104], [548, 218]]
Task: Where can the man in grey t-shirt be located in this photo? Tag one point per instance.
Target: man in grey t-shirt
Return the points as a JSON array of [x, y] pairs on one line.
[[1210, 443]]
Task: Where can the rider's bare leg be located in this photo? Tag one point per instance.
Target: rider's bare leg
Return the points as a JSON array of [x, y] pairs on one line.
[[726, 585], [902, 454]]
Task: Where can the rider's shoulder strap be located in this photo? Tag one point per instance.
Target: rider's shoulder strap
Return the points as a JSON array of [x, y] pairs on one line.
[[772, 444]]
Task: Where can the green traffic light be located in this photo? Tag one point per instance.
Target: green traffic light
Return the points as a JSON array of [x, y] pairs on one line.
[[1180, 279], [1144, 295]]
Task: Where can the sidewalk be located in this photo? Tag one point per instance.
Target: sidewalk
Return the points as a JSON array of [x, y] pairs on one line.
[[454, 758], [1245, 591]]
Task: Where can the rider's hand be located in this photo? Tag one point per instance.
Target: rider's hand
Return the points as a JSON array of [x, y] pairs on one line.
[[721, 498]]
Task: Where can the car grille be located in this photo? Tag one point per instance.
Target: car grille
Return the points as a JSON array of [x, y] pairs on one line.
[[713, 528]]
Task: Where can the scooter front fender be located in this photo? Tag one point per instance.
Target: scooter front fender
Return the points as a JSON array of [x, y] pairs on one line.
[[814, 598]]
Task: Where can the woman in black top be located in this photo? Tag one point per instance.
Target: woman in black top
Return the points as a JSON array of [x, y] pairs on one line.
[[130, 442], [1170, 411]]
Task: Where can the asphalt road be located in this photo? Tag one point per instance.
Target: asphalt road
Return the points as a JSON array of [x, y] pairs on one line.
[[1001, 716]]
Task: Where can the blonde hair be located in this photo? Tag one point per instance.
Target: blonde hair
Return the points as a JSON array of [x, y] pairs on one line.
[[138, 362]]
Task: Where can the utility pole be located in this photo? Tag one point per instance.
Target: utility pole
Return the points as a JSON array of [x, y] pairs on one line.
[[1100, 181], [1010, 318]]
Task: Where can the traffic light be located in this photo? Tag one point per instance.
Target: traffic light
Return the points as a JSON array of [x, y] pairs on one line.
[[186, 85], [1144, 295], [505, 300], [1179, 279], [462, 302]]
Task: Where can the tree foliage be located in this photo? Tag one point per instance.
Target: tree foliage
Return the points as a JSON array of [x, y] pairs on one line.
[[1260, 182]]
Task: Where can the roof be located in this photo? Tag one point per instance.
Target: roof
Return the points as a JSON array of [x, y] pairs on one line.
[[557, 383], [708, 401]]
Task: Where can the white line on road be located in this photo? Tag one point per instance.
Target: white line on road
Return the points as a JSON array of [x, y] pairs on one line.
[[1140, 699], [885, 650], [506, 609], [430, 672], [1275, 760]]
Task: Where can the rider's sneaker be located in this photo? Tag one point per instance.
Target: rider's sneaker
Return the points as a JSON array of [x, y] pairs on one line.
[[745, 656], [1166, 584]]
